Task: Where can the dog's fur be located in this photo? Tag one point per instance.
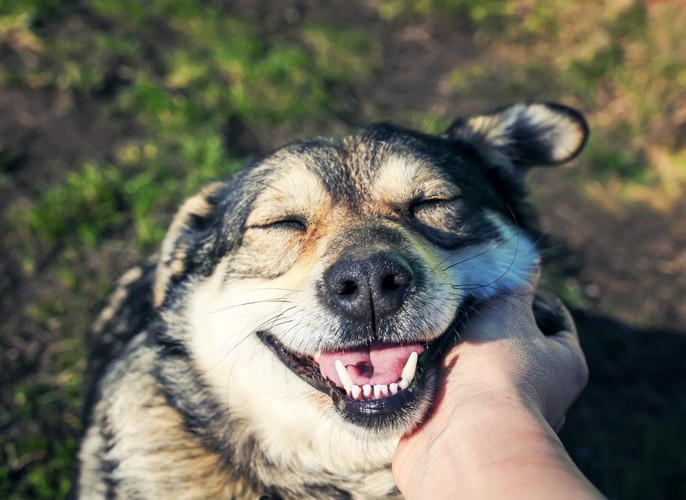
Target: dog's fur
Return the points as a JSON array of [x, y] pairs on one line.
[[206, 361]]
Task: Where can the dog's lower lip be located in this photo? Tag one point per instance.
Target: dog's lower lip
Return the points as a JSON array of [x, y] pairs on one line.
[[380, 406]]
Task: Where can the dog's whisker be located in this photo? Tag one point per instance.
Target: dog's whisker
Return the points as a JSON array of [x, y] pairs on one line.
[[251, 329], [236, 345], [475, 286], [245, 304], [482, 253]]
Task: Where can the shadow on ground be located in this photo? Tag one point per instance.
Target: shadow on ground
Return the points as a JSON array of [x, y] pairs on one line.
[[626, 431]]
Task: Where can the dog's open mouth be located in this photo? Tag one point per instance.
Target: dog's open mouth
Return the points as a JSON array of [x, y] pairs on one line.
[[372, 371], [370, 382]]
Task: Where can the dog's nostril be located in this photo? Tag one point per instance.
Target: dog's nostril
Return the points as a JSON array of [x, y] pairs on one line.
[[348, 287], [392, 282]]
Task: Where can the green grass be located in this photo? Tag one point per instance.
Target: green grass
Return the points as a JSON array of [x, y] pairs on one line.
[[41, 462]]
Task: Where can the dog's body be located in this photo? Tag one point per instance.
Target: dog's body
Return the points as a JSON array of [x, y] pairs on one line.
[[291, 330]]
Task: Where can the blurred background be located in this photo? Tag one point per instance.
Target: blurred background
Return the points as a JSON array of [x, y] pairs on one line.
[[113, 111]]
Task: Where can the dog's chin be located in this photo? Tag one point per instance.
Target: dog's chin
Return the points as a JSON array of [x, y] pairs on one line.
[[397, 410]]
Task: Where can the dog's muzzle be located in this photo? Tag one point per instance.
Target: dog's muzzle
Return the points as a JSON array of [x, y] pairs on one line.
[[375, 380]]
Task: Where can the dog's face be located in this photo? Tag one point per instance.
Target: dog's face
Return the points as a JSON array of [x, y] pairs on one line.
[[319, 287]]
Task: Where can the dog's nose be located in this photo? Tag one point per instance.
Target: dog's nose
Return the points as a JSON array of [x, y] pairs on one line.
[[368, 287]]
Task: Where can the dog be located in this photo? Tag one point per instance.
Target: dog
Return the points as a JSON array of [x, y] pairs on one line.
[[290, 330]]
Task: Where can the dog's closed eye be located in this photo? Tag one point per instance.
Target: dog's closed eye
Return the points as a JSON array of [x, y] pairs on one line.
[[437, 213], [430, 206], [286, 223]]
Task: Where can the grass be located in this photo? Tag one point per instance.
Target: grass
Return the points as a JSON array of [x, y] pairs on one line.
[[183, 81]]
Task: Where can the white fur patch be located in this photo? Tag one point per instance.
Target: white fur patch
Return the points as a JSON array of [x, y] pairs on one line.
[[494, 268]]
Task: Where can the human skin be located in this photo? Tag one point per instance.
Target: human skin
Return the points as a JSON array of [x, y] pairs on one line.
[[503, 394]]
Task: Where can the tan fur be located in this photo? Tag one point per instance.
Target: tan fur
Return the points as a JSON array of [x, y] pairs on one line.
[[400, 181]]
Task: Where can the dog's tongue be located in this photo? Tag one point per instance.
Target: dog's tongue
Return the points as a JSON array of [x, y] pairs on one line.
[[375, 364]]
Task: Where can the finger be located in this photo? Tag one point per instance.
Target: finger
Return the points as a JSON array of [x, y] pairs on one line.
[[568, 332], [496, 316], [535, 275], [559, 424], [564, 316], [501, 317], [523, 297], [567, 337], [527, 291]]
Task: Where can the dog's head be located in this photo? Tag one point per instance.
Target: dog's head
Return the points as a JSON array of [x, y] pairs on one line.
[[326, 278]]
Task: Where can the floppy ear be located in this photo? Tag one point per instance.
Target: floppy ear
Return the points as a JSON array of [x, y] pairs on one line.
[[526, 134], [187, 241]]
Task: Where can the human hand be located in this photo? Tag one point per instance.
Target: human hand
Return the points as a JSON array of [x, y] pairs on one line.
[[503, 351], [502, 391]]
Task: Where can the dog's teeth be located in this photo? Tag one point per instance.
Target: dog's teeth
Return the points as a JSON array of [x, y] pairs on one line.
[[410, 368], [343, 374], [379, 390]]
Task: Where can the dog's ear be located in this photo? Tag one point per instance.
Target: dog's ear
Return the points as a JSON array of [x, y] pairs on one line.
[[188, 240], [526, 134]]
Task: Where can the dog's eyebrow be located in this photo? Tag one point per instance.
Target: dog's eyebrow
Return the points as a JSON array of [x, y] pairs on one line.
[[297, 192], [403, 179]]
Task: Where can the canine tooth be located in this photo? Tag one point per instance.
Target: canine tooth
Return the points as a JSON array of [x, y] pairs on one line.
[[393, 388], [355, 391], [403, 384], [343, 374], [367, 390], [410, 368]]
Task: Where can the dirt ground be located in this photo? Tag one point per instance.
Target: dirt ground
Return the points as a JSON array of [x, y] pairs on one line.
[[628, 263]]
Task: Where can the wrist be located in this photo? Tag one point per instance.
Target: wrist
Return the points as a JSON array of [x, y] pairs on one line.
[[463, 437], [513, 451], [483, 447]]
